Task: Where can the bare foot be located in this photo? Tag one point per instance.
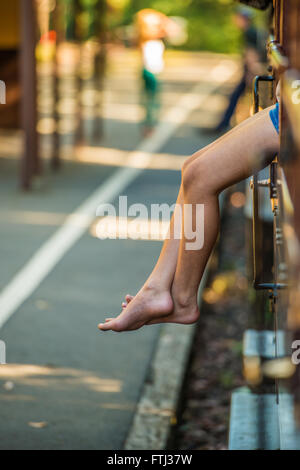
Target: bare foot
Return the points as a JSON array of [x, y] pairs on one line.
[[183, 314], [149, 304]]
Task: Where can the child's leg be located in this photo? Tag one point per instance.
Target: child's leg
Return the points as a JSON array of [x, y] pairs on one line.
[[159, 283], [163, 274], [229, 160], [221, 166]]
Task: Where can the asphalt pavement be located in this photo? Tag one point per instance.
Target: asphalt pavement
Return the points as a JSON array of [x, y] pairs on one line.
[[66, 385]]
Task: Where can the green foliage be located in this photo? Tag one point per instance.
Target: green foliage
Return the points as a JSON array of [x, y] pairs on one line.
[[210, 24]]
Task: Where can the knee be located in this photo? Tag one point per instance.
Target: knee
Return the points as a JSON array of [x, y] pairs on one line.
[[187, 163], [197, 175], [196, 156]]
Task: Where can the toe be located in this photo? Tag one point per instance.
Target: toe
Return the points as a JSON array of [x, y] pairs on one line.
[[103, 326], [111, 324]]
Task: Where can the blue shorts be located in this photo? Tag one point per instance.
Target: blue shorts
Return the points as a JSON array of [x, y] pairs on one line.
[[274, 115]]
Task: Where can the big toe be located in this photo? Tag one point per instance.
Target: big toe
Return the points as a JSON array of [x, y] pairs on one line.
[[103, 326], [112, 325]]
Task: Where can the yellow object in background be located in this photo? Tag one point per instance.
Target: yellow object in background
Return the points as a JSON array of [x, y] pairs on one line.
[[9, 24]]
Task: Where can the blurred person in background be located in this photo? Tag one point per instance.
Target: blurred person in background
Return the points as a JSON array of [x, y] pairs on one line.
[[252, 63], [152, 28]]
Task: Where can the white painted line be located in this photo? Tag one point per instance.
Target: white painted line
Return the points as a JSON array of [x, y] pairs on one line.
[[48, 256]]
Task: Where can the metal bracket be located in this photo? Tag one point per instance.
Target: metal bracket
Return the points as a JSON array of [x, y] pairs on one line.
[[273, 287]]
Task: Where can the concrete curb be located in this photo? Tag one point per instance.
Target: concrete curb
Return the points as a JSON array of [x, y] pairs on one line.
[[157, 409]]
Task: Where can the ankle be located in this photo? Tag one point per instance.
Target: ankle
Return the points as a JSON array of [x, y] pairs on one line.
[[155, 286], [184, 300]]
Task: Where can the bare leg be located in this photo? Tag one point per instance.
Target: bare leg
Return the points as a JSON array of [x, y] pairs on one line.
[[155, 299], [160, 280], [228, 160], [220, 167], [163, 274], [155, 295]]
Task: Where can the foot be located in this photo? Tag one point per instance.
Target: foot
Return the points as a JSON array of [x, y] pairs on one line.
[[148, 305], [184, 314]]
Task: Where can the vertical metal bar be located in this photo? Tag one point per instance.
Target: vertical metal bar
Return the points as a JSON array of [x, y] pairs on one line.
[[257, 245], [30, 163], [277, 20], [257, 226]]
